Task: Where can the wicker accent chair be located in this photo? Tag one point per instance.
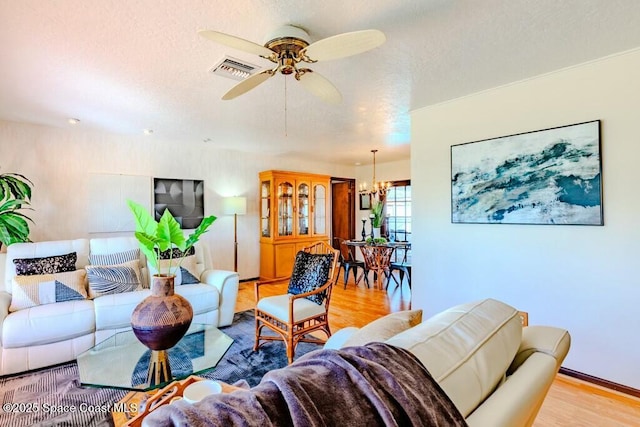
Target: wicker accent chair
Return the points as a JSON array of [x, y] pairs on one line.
[[292, 317]]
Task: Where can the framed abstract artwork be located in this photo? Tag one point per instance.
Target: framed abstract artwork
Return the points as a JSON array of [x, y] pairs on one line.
[[550, 176], [183, 197]]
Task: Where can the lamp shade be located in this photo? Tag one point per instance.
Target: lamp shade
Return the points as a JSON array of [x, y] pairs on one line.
[[234, 205]]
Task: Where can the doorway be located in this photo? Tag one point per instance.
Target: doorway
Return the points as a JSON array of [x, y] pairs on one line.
[[343, 210]]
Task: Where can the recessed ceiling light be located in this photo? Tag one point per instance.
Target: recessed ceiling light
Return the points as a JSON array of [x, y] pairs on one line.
[[148, 131], [73, 121]]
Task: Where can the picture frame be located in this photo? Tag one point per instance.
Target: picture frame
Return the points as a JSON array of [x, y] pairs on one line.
[[551, 176], [183, 197], [365, 202]]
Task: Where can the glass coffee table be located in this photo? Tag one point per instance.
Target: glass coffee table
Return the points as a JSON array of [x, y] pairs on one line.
[[122, 361]]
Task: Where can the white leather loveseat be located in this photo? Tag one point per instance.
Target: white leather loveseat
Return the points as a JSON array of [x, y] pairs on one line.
[[496, 372], [58, 332]]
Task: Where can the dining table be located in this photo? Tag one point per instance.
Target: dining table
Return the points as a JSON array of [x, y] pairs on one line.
[[377, 258]]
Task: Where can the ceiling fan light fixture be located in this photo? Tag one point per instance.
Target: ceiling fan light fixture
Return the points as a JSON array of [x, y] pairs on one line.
[[288, 46], [288, 32]]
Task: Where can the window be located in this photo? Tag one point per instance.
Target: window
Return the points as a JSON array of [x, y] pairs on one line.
[[398, 207]]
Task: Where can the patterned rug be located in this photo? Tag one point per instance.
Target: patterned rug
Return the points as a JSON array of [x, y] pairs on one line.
[[54, 397]]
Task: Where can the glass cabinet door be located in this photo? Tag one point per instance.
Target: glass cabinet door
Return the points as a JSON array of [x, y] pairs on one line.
[[303, 209], [285, 209], [319, 209], [265, 214]]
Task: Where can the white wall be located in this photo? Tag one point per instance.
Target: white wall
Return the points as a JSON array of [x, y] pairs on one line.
[[583, 278], [59, 162]]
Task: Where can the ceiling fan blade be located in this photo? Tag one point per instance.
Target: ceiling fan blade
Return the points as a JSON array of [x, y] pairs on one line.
[[248, 84], [236, 42], [342, 45], [319, 86]]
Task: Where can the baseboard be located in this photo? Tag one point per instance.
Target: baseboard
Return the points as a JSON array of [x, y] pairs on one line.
[[601, 382]]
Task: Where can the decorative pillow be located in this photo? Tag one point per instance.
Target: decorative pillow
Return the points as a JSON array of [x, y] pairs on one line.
[[385, 327], [187, 274], [310, 271], [177, 253], [114, 279], [39, 289], [114, 258], [46, 265]]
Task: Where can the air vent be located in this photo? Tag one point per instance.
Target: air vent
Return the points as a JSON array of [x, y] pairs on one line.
[[233, 68]]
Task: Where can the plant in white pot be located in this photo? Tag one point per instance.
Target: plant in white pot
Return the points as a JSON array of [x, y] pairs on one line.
[[162, 319]]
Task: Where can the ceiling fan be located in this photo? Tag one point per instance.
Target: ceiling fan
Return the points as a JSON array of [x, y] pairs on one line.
[[288, 46]]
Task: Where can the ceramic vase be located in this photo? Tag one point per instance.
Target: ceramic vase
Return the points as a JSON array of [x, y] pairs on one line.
[[162, 318]]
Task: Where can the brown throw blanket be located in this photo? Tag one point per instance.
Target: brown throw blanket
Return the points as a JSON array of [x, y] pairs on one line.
[[373, 385]]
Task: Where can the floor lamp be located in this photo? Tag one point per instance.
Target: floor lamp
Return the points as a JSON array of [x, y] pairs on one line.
[[235, 206]]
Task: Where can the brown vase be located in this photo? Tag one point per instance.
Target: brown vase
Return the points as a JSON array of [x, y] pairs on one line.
[[162, 318]]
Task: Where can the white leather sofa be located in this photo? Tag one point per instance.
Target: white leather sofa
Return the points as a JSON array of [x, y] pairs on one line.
[[496, 372], [53, 333]]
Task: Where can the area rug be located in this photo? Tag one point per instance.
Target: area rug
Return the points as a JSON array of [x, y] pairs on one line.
[[54, 397]]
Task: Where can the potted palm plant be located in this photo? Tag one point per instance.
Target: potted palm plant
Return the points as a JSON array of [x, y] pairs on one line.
[[156, 237], [162, 319], [15, 195]]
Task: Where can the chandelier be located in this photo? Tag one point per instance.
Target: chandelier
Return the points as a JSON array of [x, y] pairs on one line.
[[377, 188]]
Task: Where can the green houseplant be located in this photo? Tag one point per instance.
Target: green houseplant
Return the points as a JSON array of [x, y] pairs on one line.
[[15, 194], [376, 241], [155, 237], [377, 210], [162, 318]]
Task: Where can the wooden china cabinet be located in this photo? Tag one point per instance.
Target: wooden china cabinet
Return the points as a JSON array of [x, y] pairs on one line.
[[294, 208]]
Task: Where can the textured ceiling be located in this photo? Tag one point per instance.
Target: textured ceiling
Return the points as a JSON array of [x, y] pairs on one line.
[[121, 66]]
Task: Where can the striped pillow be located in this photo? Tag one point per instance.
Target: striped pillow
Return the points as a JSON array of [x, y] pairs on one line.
[[114, 279], [114, 258]]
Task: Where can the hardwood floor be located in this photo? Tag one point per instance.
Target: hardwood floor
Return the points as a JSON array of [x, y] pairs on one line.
[[570, 402], [575, 403]]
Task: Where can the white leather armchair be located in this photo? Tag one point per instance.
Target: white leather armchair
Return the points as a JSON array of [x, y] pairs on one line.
[[496, 372]]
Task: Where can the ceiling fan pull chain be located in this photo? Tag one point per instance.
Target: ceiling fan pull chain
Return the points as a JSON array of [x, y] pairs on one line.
[[285, 108]]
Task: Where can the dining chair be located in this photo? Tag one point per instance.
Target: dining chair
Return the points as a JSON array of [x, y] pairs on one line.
[[403, 268], [305, 306], [349, 262]]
